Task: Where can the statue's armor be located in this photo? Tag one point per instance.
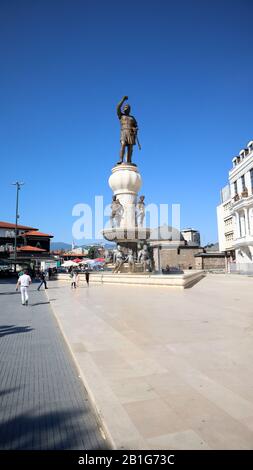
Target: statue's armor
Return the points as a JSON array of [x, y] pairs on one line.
[[119, 255], [128, 126]]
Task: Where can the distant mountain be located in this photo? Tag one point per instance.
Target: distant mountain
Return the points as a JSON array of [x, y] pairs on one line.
[[60, 246]]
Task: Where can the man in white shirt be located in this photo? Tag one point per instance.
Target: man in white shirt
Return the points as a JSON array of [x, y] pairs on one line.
[[24, 282]]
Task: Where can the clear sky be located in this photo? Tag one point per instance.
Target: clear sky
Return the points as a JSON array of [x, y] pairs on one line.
[[187, 69]]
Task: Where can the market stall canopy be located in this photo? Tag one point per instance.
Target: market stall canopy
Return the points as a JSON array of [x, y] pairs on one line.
[[87, 261], [68, 264]]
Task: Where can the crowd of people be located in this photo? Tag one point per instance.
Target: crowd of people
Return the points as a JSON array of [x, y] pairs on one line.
[[25, 280], [74, 275]]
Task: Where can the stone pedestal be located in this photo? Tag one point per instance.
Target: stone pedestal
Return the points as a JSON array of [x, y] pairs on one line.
[[125, 182]]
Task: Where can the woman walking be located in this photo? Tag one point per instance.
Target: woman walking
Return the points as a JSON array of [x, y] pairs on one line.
[[74, 279]]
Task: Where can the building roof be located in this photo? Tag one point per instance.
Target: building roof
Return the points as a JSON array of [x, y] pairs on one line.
[[211, 254], [36, 233], [30, 248], [9, 225]]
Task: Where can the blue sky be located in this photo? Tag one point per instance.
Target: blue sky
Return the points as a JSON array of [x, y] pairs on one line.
[[187, 69]]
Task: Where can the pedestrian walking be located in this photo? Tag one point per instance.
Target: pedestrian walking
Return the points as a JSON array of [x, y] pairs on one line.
[[24, 282], [87, 277], [42, 277], [74, 279]]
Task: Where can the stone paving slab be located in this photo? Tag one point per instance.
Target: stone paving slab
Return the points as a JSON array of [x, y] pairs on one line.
[[165, 369], [43, 403]]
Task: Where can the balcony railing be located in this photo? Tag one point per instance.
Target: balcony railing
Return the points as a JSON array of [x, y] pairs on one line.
[[245, 193]]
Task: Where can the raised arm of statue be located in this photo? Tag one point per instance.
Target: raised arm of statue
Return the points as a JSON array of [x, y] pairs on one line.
[[119, 112]]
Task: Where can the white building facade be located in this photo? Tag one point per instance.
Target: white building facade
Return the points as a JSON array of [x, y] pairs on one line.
[[226, 222], [235, 214]]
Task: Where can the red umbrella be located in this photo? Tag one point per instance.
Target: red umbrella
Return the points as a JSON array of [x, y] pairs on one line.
[[77, 260]]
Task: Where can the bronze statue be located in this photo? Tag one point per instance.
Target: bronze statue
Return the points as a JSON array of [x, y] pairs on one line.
[[140, 211], [144, 259], [130, 260], [119, 259], [117, 212], [128, 133]]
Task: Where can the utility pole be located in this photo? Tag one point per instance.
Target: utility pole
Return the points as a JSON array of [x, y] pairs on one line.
[[18, 185]]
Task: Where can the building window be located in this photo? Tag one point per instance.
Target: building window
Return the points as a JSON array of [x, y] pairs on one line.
[[229, 237], [235, 187], [227, 206], [243, 182], [228, 222], [251, 178]]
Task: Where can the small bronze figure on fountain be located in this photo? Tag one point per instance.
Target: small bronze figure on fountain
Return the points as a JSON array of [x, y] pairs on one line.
[[130, 260], [144, 259], [119, 259], [117, 212], [140, 211]]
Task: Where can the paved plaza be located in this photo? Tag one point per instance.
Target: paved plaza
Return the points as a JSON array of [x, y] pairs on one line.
[[43, 404], [165, 368]]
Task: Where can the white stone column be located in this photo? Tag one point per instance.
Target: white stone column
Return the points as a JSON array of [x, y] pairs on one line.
[[242, 224], [237, 226], [251, 221], [246, 221]]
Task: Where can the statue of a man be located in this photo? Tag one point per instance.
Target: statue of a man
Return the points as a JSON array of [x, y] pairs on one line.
[[129, 128], [117, 212], [130, 260], [119, 259], [140, 211], [144, 259]]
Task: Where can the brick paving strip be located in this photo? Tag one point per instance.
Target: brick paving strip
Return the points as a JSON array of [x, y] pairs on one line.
[[43, 403]]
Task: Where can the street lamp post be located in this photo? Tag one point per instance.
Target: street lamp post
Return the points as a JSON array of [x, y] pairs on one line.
[[18, 185]]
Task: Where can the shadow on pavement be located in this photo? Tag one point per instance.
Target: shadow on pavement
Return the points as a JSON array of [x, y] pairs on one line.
[[39, 303], [8, 390], [54, 430], [9, 293], [13, 329]]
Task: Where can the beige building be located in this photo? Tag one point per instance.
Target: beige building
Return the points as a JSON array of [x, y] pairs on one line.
[[182, 250], [171, 249]]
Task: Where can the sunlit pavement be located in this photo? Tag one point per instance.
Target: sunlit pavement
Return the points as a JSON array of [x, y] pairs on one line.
[[166, 369]]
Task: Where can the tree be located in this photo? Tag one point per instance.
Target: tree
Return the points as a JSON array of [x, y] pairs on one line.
[[93, 252]]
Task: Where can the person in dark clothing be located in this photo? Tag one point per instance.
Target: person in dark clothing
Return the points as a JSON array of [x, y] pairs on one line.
[[87, 277], [42, 277]]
